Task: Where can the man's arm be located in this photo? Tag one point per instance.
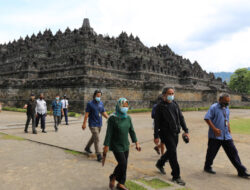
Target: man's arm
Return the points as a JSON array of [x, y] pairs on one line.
[[157, 118], [85, 120], [216, 131], [105, 115]]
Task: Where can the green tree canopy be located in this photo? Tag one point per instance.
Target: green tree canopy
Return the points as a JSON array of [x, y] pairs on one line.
[[240, 81]]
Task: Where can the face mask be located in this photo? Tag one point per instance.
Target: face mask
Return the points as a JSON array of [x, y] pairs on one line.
[[57, 98], [170, 98], [124, 109], [224, 104], [98, 99]]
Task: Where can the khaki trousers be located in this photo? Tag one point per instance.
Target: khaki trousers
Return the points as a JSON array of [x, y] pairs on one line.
[[94, 138]]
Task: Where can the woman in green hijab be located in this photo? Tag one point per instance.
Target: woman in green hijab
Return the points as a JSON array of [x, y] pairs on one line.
[[116, 140]]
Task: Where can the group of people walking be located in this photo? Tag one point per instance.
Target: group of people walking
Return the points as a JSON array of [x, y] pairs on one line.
[[37, 110], [168, 122]]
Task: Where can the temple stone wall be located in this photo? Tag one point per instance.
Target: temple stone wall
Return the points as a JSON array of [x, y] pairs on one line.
[[78, 62]]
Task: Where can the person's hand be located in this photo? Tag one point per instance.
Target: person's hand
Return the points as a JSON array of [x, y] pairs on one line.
[[137, 146], [156, 141], [186, 134], [105, 149], [84, 126], [217, 132]]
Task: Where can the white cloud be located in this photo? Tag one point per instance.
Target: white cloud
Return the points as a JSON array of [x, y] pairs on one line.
[[205, 31], [225, 55]]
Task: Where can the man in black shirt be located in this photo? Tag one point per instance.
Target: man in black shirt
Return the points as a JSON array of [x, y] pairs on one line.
[[31, 114], [168, 121]]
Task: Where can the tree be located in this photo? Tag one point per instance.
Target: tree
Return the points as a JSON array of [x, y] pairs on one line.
[[240, 81]]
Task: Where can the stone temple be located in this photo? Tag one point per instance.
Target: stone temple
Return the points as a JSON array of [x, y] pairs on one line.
[[78, 62]]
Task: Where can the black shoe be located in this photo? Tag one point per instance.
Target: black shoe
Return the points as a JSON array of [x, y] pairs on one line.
[[244, 175], [179, 181], [26, 131], [209, 170], [43, 131], [99, 157], [161, 169], [67, 124], [34, 132], [88, 150], [56, 129]]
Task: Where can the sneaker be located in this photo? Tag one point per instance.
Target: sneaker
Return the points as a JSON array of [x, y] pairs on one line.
[[99, 157], [34, 132], [26, 131], [43, 131], [209, 170], [56, 129], [160, 168], [179, 181], [88, 150]]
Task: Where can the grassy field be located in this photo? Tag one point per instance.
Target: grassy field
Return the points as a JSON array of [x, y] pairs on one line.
[[155, 183], [241, 126]]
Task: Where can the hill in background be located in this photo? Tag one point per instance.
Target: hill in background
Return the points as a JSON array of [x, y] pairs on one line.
[[225, 75]]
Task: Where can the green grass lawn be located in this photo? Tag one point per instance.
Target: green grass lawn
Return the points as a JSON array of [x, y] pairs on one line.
[[10, 137], [241, 126], [133, 186], [155, 183]]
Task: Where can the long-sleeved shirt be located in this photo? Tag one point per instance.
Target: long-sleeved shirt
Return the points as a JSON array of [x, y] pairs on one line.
[[117, 134], [168, 119], [41, 107]]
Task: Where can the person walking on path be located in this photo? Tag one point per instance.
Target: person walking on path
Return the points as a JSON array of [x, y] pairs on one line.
[[57, 111], [159, 148], [31, 114], [219, 134], [41, 112], [168, 122], [93, 113], [65, 106], [116, 140]]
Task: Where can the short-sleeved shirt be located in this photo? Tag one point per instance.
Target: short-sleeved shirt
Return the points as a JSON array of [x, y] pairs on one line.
[[95, 110], [57, 108], [31, 107], [220, 118]]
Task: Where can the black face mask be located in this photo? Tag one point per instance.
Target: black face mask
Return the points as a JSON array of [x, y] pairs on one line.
[[224, 104]]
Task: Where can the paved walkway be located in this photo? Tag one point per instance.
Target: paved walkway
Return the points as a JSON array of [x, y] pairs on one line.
[[29, 165]]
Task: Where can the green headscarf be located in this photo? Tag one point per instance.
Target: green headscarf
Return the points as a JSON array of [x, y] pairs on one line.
[[118, 112]]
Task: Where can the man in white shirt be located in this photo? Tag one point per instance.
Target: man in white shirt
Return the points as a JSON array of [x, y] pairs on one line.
[[41, 112], [65, 106]]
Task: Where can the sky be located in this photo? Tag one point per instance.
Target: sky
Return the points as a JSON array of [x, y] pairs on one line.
[[216, 33]]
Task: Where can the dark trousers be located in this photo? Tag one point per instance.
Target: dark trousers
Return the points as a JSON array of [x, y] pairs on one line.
[[57, 120], [171, 142], [42, 117], [33, 118], [230, 149], [120, 171], [65, 111]]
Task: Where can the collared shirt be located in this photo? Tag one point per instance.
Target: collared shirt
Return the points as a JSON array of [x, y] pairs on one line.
[[57, 108], [65, 103], [95, 110], [41, 106], [220, 118]]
